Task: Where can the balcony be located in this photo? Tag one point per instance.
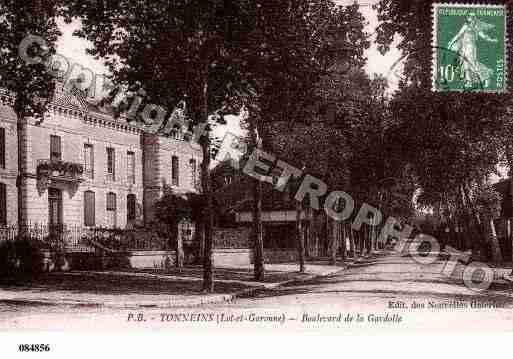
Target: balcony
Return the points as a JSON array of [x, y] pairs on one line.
[[59, 173], [60, 170]]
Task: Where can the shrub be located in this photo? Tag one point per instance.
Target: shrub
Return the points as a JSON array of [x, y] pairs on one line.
[[20, 257], [116, 262]]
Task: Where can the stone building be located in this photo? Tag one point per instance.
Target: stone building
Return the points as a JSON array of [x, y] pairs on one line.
[[8, 163], [81, 166]]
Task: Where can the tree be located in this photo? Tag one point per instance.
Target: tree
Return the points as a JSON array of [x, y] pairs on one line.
[[295, 43], [167, 52], [305, 123], [451, 141], [31, 85], [281, 66], [256, 192]]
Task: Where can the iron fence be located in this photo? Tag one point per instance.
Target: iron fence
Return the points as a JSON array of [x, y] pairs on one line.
[[71, 238], [74, 238]]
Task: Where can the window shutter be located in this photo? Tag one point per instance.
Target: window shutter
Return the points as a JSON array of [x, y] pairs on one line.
[[89, 160], [3, 204], [2, 147], [131, 167], [89, 209], [192, 163], [131, 207], [55, 148], [174, 171], [113, 164], [111, 201]]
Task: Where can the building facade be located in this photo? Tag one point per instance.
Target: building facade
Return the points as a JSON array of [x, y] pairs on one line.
[[8, 163], [81, 166]]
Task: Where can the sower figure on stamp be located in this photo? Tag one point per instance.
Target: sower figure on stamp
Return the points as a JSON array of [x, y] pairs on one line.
[[465, 44]]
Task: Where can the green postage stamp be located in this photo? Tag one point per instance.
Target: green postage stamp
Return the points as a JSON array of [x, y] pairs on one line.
[[470, 48]]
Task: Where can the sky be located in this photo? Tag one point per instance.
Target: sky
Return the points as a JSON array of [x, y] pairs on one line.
[[74, 49]]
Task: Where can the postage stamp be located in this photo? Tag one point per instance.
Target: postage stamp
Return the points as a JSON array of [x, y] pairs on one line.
[[469, 47]]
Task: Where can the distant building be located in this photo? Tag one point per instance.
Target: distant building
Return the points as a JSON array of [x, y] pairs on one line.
[[233, 195]]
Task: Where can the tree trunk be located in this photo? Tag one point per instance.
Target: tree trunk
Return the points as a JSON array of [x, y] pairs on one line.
[[300, 241], [314, 250], [452, 232], [369, 240], [179, 248], [306, 233], [333, 242], [508, 229], [326, 235], [343, 241], [206, 183], [200, 238], [258, 241], [352, 248], [494, 243], [257, 228], [361, 240], [472, 229]]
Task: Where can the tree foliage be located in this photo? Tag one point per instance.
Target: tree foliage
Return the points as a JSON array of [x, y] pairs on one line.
[[452, 141], [31, 85]]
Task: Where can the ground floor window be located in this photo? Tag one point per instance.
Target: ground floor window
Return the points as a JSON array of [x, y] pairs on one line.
[[89, 209], [111, 210], [54, 206], [131, 207], [3, 204]]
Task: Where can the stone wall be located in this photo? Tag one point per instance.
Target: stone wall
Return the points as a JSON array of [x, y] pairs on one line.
[[280, 255], [231, 237], [232, 258]]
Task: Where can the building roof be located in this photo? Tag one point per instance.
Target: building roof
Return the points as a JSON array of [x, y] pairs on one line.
[[6, 112], [237, 197], [272, 200], [502, 186]]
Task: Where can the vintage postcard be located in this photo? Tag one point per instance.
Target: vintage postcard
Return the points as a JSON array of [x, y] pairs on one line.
[[256, 166]]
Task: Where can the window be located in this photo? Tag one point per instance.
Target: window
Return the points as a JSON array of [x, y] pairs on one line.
[[111, 164], [111, 201], [194, 176], [2, 147], [111, 210], [89, 209], [130, 166], [55, 148], [89, 161], [174, 171], [131, 207], [3, 204], [55, 207]]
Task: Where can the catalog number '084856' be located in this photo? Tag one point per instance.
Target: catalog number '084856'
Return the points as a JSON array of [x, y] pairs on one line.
[[34, 347]]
